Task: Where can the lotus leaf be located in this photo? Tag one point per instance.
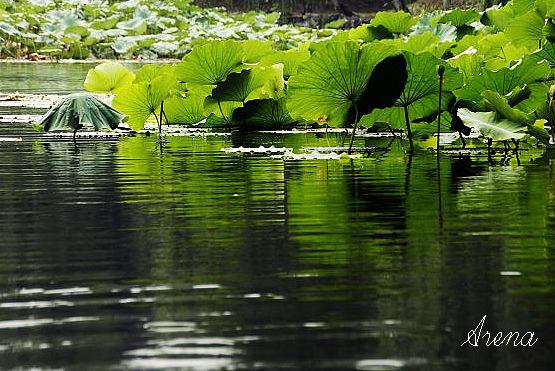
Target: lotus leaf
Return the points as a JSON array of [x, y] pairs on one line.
[[142, 99], [332, 83], [74, 110], [108, 77], [263, 113], [211, 63], [397, 22], [491, 126], [528, 70]]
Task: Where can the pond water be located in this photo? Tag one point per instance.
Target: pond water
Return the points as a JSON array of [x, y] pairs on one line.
[[136, 254]]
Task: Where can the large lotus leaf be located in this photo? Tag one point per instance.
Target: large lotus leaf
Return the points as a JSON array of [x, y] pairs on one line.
[[536, 97], [395, 22], [491, 126], [506, 57], [291, 60], [222, 110], [428, 23], [107, 78], [211, 63], [527, 30], [251, 84], [425, 42], [421, 91], [333, 81], [419, 110], [499, 103], [529, 70], [140, 100], [189, 110], [254, 50], [547, 52], [263, 113], [498, 17], [458, 17], [74, 110], [135, 26], [150, 72], [469, 62], [423, 80]]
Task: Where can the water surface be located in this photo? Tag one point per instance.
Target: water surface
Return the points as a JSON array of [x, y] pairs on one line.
[[136, 254]]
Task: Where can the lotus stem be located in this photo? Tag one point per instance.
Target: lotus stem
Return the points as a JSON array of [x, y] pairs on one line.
[[440, 73], [409, 132], [222, 112], [354, 130], [158, 121]]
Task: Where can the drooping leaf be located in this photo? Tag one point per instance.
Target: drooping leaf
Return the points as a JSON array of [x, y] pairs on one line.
[[211, 63], [142, 99], [108, 77], [263, 113], [74, 110], [498, 103], [490, 126], [333, 81]]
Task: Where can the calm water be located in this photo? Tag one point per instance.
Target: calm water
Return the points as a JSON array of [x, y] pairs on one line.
[[134, 255]]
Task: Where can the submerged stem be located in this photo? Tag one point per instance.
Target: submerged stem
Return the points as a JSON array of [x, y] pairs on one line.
[[409, 132], [354, 130]]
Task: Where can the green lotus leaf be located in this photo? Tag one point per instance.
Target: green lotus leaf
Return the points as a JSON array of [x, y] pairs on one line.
[[520, 7], [426, 42], [135, 26], [395, 22], [75, 110], [254, 50], [458, 17], [259, 82], [498, 103], [211, 63], [263, 113], [141, 99], [498, 17], [527, 30], [547, 52], [149, 72], [469, 62], [189, 110], [291, 60], [421, 91], [428, 23], [334, 81], [221, 110], [108, 77], [527, 71], [491, 126]]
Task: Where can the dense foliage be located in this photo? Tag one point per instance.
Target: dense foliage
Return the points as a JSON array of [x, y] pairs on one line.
[[146, 28], [496, 72]]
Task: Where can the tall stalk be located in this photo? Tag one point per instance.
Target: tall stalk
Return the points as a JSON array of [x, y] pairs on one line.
[[440, 73], [409, 132], [354, 130]]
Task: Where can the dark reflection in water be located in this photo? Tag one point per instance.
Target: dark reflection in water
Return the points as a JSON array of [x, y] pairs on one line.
[[128, 255]]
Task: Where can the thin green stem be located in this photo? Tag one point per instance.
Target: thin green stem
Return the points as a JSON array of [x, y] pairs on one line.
[[354, 130], [409, 132]]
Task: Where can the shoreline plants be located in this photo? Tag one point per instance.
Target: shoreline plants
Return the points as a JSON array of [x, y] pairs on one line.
[[496, 72]]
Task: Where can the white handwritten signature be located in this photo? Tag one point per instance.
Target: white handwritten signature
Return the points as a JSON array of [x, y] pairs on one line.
[[512, 338]]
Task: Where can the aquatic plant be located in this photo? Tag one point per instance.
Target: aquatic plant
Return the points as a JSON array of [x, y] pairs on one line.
[[74, 111]]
